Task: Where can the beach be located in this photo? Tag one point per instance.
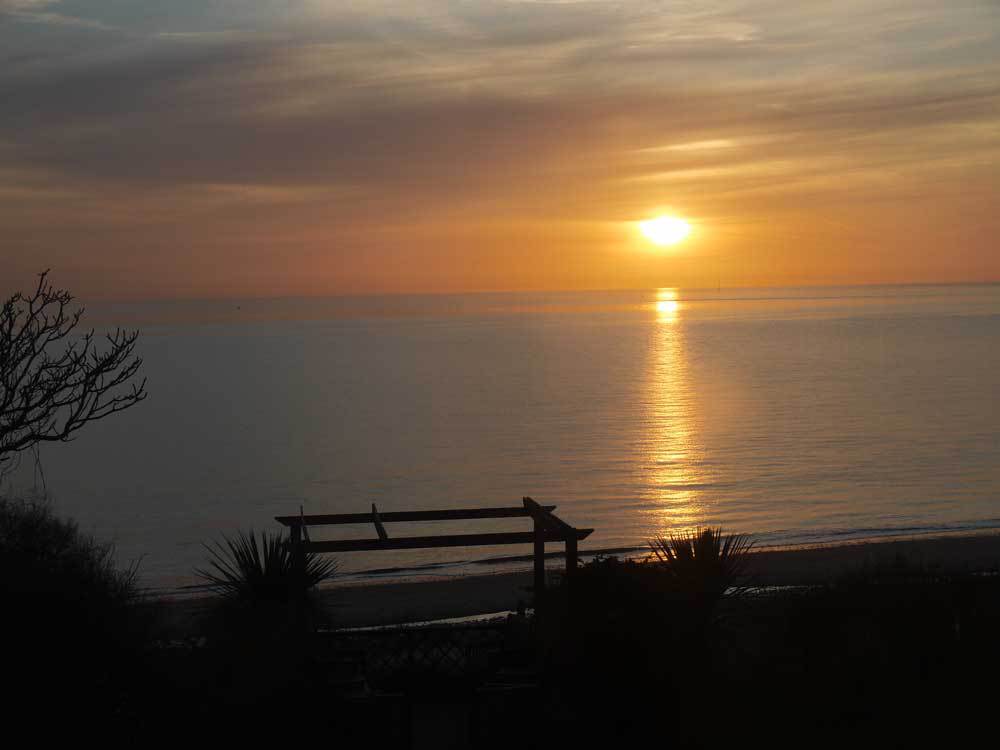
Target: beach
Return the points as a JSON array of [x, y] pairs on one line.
[[371, 604]]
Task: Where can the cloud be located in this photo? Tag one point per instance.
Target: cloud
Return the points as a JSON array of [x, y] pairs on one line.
[[34, 11], [337, 120], [20, 6]]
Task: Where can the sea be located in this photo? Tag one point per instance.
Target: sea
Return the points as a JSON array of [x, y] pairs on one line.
[[801, 416]]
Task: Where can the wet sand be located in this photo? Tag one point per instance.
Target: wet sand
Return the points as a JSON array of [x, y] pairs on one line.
[[412, 601]]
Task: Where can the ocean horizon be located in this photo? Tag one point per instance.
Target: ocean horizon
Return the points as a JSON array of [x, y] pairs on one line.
[[799, 415]]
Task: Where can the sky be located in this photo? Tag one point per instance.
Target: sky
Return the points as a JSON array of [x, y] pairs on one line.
[[311, 147]]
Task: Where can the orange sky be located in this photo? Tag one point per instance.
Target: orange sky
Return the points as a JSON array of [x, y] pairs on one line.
[[177, 150]]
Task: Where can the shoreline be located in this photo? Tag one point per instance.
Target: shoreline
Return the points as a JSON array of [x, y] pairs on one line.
[[517, 563], [366, 603]]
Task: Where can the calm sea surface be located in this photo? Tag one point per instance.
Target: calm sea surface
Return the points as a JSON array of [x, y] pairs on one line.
[[800, 415]]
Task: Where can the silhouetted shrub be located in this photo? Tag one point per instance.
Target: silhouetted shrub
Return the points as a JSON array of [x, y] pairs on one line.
[[262, 586], [896, 647], [258, 625], [704, 562], [624, 640], [71, 627]]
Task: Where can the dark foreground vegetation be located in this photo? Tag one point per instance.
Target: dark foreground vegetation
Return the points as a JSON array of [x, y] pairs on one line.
[[676, 651]]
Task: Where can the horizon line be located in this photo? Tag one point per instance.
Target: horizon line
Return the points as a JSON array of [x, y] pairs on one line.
[[506, 292]]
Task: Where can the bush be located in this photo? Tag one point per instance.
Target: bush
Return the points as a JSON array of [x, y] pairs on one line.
[[71, 626], [52, 575], [623, 648], [266, 606], [261, 583], [703, 562]]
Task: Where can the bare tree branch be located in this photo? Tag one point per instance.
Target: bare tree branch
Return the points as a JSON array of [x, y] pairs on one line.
[[47, 391]]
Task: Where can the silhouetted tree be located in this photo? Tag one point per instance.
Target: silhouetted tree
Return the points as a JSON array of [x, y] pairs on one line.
[[53, 379]]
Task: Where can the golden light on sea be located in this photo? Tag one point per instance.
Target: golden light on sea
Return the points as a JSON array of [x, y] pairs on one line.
[[667, 305], [665, 230], [676, 465]]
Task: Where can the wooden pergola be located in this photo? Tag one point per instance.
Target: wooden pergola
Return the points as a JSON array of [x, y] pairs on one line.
[[547, 528]]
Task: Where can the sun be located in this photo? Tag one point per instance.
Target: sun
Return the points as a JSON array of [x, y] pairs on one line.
[[665, 230]]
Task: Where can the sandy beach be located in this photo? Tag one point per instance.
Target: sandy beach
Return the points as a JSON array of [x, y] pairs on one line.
[[361, 604]]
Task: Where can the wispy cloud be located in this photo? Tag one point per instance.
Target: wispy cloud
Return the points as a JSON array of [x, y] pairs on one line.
[[34, 11], [326, 123]]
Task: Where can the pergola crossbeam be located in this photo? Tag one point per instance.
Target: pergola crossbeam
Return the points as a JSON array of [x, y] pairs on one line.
[[547, 528], [449, 514], [449, 540]]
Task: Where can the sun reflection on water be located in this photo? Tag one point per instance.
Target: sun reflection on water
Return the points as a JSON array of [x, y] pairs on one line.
[[667, 305], [675, 458]]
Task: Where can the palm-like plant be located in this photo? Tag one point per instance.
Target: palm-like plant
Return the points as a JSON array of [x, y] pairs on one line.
[[265, 573], [704, 562]]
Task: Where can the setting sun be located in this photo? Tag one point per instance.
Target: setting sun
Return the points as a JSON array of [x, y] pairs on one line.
[[665, 230]]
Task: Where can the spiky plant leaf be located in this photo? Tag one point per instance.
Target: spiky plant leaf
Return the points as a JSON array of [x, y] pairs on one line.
[[705, 560], [262, 570]]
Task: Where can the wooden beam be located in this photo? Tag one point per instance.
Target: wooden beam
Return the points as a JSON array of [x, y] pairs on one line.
[[451, 514], [451, 540], [545, 516]]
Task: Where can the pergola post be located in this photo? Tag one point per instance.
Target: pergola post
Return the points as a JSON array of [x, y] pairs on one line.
[[295, 540], [571, 556], [539, 559]]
